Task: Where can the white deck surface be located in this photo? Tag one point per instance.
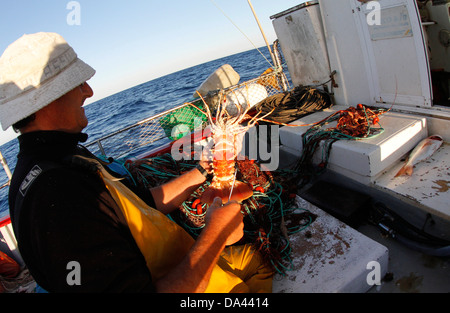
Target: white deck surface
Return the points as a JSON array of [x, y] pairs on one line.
[[333, 257], [429, 185]]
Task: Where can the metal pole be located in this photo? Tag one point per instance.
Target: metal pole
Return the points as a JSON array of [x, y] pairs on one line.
[[262, 32], [102, 151], [281, 75]]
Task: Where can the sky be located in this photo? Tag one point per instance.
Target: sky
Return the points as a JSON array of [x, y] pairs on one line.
[[134, 41]]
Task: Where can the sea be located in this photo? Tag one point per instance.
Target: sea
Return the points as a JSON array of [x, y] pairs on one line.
[[130, 106]]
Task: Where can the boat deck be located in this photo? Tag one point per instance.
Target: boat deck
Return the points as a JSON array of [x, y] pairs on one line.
[[374, 162], [429, 184], [367, 168], [330, 256], [334, 257], [409, 271]]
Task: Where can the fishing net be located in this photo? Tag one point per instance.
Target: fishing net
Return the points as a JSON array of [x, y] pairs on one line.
[[183, 121], [270, 215]]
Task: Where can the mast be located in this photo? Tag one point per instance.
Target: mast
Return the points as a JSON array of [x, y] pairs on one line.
[[263, 34], [275, 60]]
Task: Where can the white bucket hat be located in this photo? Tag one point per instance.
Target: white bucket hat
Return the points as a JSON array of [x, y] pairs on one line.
[[35, 70]]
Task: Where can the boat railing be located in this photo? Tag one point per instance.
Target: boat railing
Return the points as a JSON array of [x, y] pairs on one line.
[[172, 124], [7, 171], [143, 133]]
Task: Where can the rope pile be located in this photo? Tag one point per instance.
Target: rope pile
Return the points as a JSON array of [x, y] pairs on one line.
[[292, 105]]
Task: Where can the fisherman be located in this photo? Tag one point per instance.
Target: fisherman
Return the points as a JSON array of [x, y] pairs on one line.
[[79, 227]]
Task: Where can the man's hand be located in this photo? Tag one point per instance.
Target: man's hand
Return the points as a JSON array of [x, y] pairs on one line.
[[224, 226], [226, 219]]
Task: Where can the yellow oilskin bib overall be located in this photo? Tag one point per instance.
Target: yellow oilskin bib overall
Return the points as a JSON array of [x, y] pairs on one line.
[[164, 244]]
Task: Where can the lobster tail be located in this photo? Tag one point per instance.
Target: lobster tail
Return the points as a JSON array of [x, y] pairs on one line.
[[240, 192]]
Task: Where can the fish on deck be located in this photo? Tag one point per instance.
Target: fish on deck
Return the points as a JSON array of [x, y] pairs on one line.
[[420, 153]]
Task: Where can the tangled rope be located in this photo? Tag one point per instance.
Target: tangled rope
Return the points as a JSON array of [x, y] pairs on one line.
[[270, 215], [354, 123]]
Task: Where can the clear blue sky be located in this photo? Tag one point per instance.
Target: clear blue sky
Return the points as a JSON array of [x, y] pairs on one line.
[[134, 41]]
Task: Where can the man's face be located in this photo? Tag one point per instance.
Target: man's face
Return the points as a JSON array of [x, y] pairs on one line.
[[68, 112]]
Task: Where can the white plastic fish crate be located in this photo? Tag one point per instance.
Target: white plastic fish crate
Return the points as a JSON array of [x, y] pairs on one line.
[[362, 160]]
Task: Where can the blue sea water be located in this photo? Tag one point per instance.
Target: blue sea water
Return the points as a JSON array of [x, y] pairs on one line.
[[133, 105]]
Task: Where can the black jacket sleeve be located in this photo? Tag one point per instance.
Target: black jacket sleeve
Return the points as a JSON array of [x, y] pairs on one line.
[[74, 238]]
